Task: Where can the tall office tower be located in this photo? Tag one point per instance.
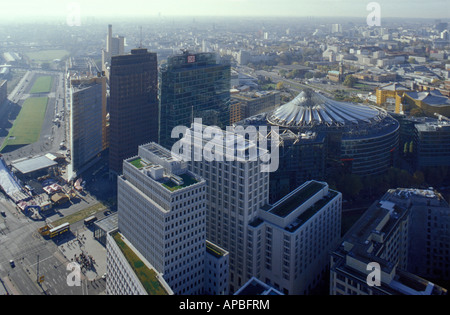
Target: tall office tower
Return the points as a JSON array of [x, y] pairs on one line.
[[193, 86], [87, 120], [429, 233], [373, 256], [336, 28], [109, 39], [115, 46], [235, 191], [162, 213], [289, 242], [133, 105]]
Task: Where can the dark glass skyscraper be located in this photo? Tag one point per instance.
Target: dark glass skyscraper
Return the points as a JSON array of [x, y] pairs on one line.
[[193, 86], [133, 105]]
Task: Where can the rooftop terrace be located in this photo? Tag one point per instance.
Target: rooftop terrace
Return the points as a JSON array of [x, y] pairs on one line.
[[171, 182]]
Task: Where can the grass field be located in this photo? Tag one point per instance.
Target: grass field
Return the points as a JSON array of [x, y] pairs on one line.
[[47, 55], [42, 85], [28, 124]]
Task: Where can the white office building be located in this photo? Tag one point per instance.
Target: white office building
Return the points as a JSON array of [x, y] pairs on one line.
[[235, 192], [291, 239], [162, 213], [285, 245]]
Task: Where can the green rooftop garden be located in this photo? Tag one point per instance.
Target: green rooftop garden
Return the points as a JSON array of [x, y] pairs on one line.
[[145, 275], [188, 180], [137, 163]]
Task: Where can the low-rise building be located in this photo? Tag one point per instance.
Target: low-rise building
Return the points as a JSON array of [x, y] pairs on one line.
[[372, 258]]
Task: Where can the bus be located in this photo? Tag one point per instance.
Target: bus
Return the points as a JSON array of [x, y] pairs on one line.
[[63, 228], [90, 220]]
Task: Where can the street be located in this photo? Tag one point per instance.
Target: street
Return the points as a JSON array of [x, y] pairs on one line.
[[35, 257]]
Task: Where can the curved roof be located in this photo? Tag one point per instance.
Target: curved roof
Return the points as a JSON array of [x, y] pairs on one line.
[[310, 109]]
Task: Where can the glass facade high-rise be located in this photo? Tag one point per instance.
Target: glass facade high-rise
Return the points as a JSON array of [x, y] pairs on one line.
[[87, 120], [192, 86], [133, 105]]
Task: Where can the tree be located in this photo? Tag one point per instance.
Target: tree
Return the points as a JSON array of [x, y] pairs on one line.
[[350, 185], [350, 81], [280, 86]]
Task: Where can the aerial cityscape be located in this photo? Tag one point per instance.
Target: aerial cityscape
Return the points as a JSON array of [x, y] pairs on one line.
[[225, 148]]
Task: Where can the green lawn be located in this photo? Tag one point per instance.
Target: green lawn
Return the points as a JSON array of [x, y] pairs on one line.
[[28, 124], [42, 85], [47, 55]]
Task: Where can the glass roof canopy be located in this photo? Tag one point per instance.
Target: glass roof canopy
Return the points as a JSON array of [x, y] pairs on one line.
[[310, 109]]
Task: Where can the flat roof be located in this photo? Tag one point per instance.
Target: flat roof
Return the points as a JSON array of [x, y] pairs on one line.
[[215, 250], [171, 182], [294, 201], [256, 287], [34, 164], [108, 224]]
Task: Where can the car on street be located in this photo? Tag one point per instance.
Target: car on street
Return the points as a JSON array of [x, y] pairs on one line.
[[11, 262]]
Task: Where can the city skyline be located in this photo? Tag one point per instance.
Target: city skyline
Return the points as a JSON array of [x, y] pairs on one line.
[[277, 149], [239, 8]]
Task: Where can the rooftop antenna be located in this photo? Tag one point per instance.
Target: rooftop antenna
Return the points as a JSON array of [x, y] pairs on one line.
[[140, 42]]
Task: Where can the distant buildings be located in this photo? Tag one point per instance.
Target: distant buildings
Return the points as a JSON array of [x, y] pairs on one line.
[[162, 213], [133, 105], [430, 102], [336, 28], [87, 120], [392, 92], [337, 76], [115, 46], [3, 91], [247, 104], [192, 86]]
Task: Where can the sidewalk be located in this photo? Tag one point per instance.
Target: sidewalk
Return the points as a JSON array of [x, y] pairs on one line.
[[9, 286], [88, 252]]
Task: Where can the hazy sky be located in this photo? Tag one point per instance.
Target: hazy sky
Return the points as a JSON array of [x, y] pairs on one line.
[[354, 8]]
